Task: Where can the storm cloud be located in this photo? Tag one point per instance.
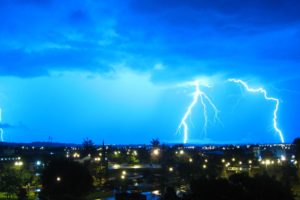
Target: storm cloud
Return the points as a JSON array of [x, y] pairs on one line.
[[189, 37]]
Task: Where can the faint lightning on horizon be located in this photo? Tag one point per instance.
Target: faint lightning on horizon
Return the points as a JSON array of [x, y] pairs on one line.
[[1, 129], [264, 92], [204, 99]]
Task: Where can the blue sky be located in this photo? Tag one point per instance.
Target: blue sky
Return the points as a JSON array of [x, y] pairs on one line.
[[114, 70]]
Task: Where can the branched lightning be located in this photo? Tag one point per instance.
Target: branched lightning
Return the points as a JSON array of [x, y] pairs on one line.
[[204, 99], [1, 129], [264, 92]]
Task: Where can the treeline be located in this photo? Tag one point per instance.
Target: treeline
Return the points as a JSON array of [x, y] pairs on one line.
[[236, 187]]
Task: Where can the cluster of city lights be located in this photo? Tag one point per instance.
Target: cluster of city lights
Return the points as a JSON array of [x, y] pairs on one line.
[[97, 159], [123, 174], [76, 155], [278, 161], [9, 159], [19, 163], [117, 153]]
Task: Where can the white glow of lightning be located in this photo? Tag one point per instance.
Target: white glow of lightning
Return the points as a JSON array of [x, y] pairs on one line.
[[204, 99], [1, 130], [264, 92]]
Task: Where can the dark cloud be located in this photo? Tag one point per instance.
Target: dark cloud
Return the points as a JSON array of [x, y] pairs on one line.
[[5, 126], [33, 2], [25, 2], [200, 36], [254, 12], [80, 18], [26, 64]]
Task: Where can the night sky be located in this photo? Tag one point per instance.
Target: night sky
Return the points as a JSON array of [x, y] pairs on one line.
[[116, 70]]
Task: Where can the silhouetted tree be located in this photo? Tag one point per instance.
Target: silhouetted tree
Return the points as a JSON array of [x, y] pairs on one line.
[[10, 181], [296, 142], [14, 179], [239, 186], [22, 194], [170, 194], [65, 179], [88, 147], [144, 155], [289, 174], [265, 187], [155, 142]]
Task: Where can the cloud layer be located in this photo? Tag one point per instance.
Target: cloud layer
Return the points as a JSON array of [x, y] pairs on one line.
[[259, 37], [54, 53]]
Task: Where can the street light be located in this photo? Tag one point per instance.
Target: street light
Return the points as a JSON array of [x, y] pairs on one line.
[[18, 163], [156, 152], [123, 174], [76, 155], [116, 166], [266, 163], [278, 161], [97, 159]]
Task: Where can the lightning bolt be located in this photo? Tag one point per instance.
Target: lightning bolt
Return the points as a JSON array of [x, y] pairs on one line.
[[1, 129], [205, 101], [268, 98]]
